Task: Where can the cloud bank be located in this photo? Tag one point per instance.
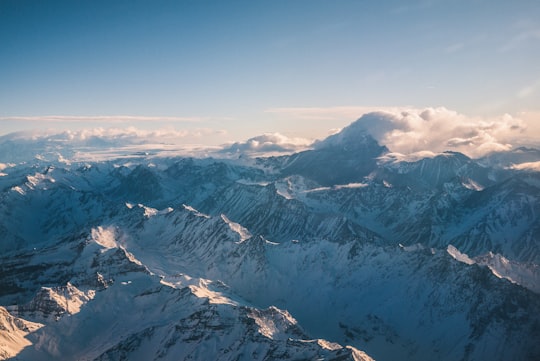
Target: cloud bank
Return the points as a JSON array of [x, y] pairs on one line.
[[404, 131], [533, 166], [102, 143], [112, 136], [268, 143], [439, 129]]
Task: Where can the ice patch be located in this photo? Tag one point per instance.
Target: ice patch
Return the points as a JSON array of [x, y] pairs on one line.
[[272, 321], [338, 186], [148, 211], [285, 195], [13, 332], [71, 297], [37, 178], [319, 189], [351, 185], [359, 355], [267, 327], [166, 210], [328, 345], [526, 275], [194, 211], [412, 248], [472, 185], [237, 228], [461, 257], [283, 189], [3, 166], [105, 237], [18, 190], [202, 290], [251, 183]]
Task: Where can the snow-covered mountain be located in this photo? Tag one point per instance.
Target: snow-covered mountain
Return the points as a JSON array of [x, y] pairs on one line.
[[314, 255]]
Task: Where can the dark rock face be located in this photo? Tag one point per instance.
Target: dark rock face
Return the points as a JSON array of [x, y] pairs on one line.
[[348, 160]]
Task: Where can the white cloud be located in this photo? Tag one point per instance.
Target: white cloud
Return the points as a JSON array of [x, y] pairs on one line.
[[98, 144], [439, 129], [269, 143], [403, 130], [115, 136], [534, 166], [409, 130], [395, 158], [352, 185]]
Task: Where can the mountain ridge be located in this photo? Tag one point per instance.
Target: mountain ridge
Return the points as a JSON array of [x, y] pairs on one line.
[[322, 253]]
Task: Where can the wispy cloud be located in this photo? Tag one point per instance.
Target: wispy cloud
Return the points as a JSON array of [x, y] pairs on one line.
[[118, 136], [101, 119], [158, 135], [527, 33], [529, 89], [454, 48]]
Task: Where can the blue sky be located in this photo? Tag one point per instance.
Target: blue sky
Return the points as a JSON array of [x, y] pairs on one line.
[[243, 68]]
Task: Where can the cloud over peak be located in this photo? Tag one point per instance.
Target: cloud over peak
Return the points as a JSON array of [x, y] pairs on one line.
[[403, 130], [440, 129]]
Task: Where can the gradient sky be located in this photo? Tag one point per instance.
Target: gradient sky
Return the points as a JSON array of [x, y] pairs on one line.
[[243, 68]]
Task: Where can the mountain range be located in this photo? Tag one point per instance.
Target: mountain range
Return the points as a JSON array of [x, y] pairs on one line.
[[343, 251]]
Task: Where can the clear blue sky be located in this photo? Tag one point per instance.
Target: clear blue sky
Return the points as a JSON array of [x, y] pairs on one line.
[[250, 67]]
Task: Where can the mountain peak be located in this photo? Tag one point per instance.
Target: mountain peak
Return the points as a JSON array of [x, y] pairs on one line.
[[342, 158], [356, 135]]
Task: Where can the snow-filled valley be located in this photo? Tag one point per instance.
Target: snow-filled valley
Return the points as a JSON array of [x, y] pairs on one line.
[[345, 251]]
